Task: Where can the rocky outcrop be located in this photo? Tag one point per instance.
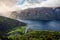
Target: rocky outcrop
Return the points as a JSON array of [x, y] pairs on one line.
[[41, 13]]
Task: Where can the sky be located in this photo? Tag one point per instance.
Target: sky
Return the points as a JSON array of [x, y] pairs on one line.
[[29, 3], [18, 4], [38, 3], [12, 5]]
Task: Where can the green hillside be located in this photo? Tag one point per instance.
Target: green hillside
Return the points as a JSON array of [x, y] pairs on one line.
[[8, 24], [37, 35]]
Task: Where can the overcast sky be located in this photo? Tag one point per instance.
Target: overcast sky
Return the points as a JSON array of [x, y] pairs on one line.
[[11, 5], [14, 4], [39, 3]]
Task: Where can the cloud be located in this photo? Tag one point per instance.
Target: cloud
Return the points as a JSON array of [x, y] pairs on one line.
[[11, 5], [40, 3], [7, 6], [50, 3], [35, 1], [21, 2], [45, 3], [29, 3]]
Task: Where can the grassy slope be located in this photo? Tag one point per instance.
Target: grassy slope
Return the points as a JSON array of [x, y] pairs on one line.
[[37, 35], [17, 29]]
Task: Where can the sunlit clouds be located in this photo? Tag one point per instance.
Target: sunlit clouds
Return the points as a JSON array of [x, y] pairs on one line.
[[6, 6], [38, 3], [29, 3], [50, 3], [14, 5]]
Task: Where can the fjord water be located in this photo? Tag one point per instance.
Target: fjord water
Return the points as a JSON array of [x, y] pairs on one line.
[[53, 25]]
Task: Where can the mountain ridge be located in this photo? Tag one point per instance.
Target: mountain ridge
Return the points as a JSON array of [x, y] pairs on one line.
[[41, 13]]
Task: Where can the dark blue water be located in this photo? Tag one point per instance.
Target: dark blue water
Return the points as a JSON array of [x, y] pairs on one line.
[[53, 25]]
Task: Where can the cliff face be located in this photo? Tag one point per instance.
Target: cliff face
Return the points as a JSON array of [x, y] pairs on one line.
[[42, 13]]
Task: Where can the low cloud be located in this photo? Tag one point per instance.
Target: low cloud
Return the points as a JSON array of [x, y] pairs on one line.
[[40, 3], [6, 6], [35, 1], [50, 3]]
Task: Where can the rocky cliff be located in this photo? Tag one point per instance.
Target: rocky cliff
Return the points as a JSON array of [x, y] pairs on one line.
[[41, 13]]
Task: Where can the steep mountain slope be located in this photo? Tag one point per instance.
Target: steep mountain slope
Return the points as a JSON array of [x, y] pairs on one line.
[[41, 13], [7, 24]]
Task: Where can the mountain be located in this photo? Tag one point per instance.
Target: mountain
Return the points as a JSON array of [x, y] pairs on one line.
[[7, 24], [40, 13]]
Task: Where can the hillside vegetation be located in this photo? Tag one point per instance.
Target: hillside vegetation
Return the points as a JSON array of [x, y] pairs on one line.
[[8, 24], [37, 35]]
